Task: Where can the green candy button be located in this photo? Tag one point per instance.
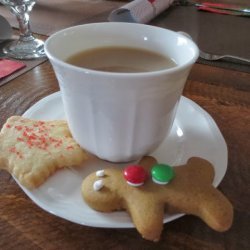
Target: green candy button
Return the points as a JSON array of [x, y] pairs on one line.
[[162, 173]]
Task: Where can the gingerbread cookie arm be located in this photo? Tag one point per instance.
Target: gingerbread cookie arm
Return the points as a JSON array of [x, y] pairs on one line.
[[147, 162]]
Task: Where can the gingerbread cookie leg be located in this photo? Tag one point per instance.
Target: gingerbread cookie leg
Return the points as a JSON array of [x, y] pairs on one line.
[[216, 211], [147, 215], [200, 198]]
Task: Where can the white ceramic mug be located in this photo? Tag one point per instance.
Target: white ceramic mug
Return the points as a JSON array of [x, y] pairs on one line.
[[120, 116]]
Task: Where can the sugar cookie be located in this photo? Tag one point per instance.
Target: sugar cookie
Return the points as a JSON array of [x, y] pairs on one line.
[[32, 150]]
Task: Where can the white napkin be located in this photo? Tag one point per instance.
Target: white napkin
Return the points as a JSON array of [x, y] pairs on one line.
[[139, 11]]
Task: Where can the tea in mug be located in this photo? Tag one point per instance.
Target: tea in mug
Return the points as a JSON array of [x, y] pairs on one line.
[[121, 60]]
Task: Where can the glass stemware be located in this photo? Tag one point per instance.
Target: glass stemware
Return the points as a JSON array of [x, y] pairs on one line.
[[27, 47]]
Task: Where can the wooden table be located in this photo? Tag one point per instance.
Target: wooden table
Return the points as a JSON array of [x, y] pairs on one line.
[[223, 93]]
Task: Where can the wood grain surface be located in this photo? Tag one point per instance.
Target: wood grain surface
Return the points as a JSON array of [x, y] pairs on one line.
[[224, 94]]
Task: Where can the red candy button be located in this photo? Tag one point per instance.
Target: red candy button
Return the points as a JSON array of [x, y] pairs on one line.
[[135, 175]]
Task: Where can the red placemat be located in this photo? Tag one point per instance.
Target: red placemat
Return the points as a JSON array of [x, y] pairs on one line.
[[7, 67]]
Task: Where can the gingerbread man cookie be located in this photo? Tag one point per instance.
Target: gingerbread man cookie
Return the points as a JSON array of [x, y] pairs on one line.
[[32, 150], [149, 190]]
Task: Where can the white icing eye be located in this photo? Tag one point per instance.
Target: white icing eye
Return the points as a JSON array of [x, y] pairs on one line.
[[100, 173], [98, 185]]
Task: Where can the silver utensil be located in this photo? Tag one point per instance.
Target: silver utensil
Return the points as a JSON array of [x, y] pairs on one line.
[[222, 8], [212, 57], [219, 8]]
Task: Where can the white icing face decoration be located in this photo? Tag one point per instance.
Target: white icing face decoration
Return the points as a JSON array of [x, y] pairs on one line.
[[98, 185], [100, 173]]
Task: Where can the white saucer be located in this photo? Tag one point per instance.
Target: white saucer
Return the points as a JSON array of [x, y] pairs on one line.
[[194, 133]]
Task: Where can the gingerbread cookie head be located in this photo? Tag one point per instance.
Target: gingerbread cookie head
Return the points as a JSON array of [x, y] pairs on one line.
[[148, 190], [32, 150]]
